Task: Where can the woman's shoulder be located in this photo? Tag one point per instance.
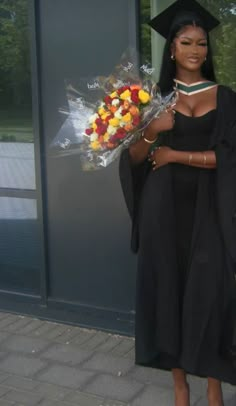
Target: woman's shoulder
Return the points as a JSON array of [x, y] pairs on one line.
[[226, 91]]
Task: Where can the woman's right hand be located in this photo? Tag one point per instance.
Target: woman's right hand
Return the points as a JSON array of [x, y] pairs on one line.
[[164, 122]]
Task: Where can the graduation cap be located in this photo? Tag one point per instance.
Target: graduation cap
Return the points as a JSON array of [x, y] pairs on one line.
[[180, 12]]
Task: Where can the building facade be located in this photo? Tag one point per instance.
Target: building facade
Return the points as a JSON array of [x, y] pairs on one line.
[[65, 233]]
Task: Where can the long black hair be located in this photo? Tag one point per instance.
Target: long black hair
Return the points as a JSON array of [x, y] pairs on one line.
[[168, 68]]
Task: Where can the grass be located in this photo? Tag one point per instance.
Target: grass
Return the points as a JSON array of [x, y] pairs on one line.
[[16, 126]]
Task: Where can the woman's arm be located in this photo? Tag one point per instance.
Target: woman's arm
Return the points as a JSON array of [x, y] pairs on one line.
[[200, 159], [140, 149]]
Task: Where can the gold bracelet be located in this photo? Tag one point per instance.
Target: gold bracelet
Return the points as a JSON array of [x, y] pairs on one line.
[[204, 158], [148, 141], [190, 159]]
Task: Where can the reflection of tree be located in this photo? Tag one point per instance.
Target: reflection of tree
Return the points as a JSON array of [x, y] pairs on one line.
[[14, 50], [223, 38]]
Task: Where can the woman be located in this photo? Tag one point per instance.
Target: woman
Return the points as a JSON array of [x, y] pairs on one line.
[[182, 199]]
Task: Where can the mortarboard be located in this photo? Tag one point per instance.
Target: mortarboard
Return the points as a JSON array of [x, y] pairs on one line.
[[180, 11]]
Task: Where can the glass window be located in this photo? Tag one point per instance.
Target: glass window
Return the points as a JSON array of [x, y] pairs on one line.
[[19, 233], [16, 133], [222, 38]]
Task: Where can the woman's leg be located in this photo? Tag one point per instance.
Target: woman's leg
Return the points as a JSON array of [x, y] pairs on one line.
[[214, 392], [181, 387]]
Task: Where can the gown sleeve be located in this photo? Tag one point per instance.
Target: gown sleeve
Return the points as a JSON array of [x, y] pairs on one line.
[[225, 151], [132, 178]]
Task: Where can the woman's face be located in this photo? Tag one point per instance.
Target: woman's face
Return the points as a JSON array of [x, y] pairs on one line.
[[190, 48]]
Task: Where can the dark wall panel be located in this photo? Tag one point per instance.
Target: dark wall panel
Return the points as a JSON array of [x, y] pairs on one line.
[[88, 226]]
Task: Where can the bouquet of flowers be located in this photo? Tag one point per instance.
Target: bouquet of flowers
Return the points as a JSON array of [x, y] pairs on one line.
[[109, 113]]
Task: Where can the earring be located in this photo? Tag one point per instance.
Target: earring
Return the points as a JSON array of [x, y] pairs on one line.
[[205, 59], [173, 57]]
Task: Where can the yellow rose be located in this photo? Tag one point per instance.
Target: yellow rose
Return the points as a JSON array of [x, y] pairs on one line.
[[125, 95], [106, 137], [101, 111], [114, 94], [144, 97], [127, 117], [95, 145], [105, 115], [94, 126], [114, 122]]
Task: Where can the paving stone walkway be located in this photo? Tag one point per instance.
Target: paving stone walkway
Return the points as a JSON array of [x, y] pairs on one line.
[[50, 364]]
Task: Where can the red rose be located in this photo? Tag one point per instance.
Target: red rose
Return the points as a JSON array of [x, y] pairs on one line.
[[134, 96], [122, 89], [107, 99], [101, 129], [98, 121], [88, 131], [136, 120], [120, 133], [108, 118], [124, 112]]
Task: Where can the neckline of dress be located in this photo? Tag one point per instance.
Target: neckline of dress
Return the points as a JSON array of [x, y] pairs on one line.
[[203, 115]]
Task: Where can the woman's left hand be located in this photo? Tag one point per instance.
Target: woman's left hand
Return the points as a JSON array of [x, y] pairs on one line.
[[161, 156]]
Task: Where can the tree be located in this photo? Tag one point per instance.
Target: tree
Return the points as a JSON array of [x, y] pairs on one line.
[[15, 77]]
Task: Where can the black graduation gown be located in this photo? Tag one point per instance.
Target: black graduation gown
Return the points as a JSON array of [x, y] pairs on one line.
[[209, 299]]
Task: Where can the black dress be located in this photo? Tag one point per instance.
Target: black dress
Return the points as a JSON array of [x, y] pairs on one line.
[[181, 304]]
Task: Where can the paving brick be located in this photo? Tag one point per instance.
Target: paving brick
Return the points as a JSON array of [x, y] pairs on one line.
[[66, 376], [113, 387], [19, 382], [51, 391], [54, 331], [108, 363], [55, 403], [83, 337], [24, 398], [147, 375], [7, 321], [66, 354], [6, 403], [111, 402], [130, 354], [3, 336], [67, 336], [19, 323], [43, 329], [3, 376], [30, 327], [83, 399], [25, 344], [125, 346], [20, 365], [3, 390], [109, 344], [229, 400], [154, 395], [97, 339], [3, 315]]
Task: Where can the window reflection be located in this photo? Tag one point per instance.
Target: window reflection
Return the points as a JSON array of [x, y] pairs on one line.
[[16, 134], [19, 245]]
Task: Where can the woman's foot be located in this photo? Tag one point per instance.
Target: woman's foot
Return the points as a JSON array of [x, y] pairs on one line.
[[182, 397]]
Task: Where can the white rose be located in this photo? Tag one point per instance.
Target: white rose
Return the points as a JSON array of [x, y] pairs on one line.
[[115, 102], [118, 114], [111, 130], [93, 137], [93, 118]]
